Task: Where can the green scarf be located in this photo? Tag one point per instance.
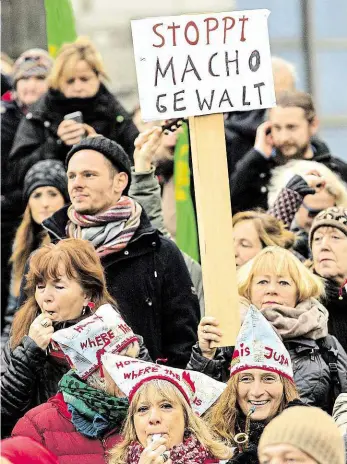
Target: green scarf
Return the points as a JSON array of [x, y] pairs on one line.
[[89, 406]]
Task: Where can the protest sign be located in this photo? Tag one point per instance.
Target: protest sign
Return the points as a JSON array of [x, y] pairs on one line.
[[202, 66], [193, 65]]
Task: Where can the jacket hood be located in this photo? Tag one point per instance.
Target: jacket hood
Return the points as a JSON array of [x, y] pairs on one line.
[[283, 174]]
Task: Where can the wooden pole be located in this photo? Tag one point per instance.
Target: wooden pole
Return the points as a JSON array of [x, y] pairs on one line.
[[212, 197]]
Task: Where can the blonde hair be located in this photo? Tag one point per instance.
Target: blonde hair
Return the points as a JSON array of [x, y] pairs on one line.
[[282, 175], [81, 263], [69, 55], [222, 416], [271, 231], [278, 261], [23, 245], [195, 425]]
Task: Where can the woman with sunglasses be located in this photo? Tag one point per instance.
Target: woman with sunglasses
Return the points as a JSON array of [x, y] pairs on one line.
[[75, 86], [303, 197]]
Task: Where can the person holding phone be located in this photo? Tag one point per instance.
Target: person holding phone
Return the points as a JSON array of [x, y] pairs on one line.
[[289, 134], [77, 104]]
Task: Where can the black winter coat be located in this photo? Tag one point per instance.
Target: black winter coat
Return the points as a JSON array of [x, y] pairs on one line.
[[311, 373], [151, 284], [29, 377], [336, 305], [240, 131], [250, 180], [37, 139], [12, 205]]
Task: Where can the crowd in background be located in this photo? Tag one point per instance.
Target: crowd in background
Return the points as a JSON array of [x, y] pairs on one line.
[[106, 352]]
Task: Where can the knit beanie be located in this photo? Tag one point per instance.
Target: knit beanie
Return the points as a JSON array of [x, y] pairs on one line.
[[46, 173], [33, 62], [309, 429], [110, 149], [331, 217]]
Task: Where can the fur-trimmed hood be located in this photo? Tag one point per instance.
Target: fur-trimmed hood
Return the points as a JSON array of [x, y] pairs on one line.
[[282, 175]]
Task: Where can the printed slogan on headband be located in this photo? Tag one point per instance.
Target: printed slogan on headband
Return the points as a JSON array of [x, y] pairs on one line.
[[201, 64]]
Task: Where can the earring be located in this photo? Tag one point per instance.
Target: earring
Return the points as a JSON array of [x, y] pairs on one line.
[[84, 310], [91, 306]]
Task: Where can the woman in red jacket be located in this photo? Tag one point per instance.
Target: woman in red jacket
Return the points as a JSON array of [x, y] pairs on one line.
[[82, 422]]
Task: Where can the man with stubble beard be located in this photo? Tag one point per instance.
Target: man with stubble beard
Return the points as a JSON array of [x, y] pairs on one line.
[[289, 133]]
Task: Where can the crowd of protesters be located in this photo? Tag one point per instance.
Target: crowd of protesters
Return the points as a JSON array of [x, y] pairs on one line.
[[106, 353]]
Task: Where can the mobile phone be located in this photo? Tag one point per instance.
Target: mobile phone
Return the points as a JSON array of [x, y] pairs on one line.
[[76, 116]]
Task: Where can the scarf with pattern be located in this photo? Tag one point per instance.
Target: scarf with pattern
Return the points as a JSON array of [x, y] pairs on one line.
[[109, 231], [188, 452], [93, 412]]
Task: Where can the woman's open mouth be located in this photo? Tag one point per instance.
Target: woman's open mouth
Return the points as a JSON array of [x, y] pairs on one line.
[[259, 403]]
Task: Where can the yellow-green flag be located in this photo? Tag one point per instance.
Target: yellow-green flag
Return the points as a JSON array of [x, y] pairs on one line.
[[186, 228], [60, 24]]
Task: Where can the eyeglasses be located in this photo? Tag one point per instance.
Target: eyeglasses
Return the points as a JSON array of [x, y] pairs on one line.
[[311, 212]]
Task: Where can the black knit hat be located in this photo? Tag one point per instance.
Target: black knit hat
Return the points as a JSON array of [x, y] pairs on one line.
[[46, 173], [110, 149]]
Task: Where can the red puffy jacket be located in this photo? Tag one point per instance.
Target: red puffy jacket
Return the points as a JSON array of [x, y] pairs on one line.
[[50, 424]]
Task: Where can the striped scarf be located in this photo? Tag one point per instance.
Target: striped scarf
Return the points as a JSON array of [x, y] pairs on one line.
[[110, 231]]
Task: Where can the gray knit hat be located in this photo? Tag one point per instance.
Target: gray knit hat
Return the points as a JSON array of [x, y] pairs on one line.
[[44, 174], [336, 216], [309, 429], [33, 62], [110, 149]]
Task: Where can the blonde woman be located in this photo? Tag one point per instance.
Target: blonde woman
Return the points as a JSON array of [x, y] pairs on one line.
[[75, 85], [254, 230], [261, 386], [163, 423], [287, 294]]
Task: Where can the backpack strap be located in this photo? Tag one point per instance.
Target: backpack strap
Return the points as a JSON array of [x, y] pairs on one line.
[[329, 351]]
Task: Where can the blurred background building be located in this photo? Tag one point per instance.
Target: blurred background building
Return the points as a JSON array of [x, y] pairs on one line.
[[312, 34]]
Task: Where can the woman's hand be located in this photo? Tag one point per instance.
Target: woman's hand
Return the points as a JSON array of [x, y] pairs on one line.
[[152, 454], [41, 331], [314, 180], [71, 132], [90, 131], [208, 332], [146, 144]]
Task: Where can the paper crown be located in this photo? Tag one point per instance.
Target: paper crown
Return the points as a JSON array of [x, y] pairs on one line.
[[199, 390], [259, 347], [85, 342]]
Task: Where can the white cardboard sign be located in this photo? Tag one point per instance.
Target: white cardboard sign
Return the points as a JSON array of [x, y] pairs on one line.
[[192, 65]]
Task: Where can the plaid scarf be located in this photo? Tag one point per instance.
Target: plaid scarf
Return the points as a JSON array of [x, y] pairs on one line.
[[93, 411], [188, 452], [110, 231]]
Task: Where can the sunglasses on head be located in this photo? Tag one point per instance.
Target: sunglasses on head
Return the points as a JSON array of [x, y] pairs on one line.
[[311, 212]]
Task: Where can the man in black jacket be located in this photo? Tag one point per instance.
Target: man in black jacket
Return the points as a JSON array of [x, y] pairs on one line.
[[145, 272], [287, 135]]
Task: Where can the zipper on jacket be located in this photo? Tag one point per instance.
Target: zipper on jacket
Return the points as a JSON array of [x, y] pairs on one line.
[[51, 231]]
